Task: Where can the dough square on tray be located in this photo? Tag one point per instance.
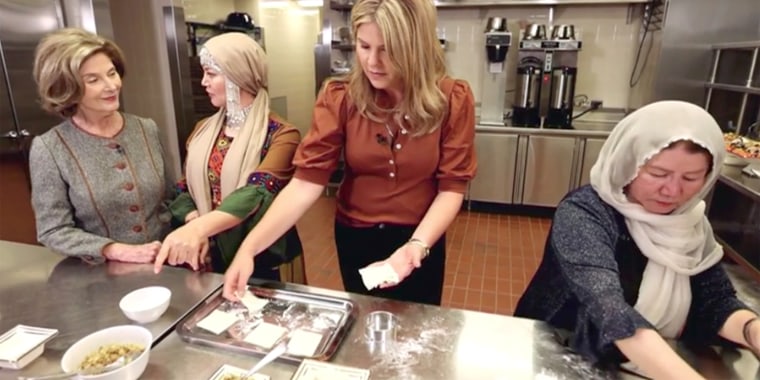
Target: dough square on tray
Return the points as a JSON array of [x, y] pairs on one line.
[[217, 322], [265, 335], [304, 343]]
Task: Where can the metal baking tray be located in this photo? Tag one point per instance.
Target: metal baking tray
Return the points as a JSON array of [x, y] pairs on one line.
[[329, 316]]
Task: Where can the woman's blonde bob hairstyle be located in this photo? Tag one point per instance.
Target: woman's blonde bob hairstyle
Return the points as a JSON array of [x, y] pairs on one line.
[[411, 42], [57, 60]]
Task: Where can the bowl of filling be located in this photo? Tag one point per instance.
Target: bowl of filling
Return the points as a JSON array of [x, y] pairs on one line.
[[94, 355]]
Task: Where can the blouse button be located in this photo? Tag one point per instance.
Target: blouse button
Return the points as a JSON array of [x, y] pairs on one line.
[[113, 145], [398, 146], [391, 162], [137, 228], [134, 208], [121, 166], [392, 175], [129, 186], [403, 131]]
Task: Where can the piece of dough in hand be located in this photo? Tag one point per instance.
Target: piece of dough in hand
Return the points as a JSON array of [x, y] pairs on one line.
[[374, 276]]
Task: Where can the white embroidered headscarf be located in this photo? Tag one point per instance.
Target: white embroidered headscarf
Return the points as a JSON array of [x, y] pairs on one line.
[[243, 63], [678, 245]]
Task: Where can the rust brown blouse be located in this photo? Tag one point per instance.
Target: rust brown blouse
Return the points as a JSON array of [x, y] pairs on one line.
[[390, 176]]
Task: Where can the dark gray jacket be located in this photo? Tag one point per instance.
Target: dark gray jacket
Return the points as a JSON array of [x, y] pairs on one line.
[[589, 279], [89, 191]]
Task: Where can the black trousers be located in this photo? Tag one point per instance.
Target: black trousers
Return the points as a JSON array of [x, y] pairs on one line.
[[361, 246]]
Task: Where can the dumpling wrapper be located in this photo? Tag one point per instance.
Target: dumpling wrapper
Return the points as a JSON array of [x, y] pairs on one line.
[[265, 335], [217, 322], [374, 276], [304, 343], [253, 303]]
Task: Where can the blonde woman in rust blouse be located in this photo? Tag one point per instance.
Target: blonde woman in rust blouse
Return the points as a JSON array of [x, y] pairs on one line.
[[406, 131]]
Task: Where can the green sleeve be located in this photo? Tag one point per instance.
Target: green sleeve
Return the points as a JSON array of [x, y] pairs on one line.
[[181, 206], [244, 201]]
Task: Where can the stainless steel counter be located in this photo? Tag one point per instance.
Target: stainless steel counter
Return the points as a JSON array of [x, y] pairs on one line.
[[432, 343], [442, 343], [732, 176], [43, 289]]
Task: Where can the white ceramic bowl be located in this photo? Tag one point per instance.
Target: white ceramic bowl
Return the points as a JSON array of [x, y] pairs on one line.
[[75, 355], [146, 304]]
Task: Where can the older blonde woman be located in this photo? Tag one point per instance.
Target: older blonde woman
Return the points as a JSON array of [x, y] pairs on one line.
[[631, 259], [237, 161], [98, 178], [406, 131]]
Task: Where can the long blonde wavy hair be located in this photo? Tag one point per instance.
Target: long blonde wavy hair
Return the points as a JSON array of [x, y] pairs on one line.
[[411, 42]]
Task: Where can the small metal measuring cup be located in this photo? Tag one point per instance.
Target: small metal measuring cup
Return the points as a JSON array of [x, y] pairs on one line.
[[380, 327]]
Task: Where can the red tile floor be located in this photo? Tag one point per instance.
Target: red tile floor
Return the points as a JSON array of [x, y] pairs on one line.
[[490, 257]]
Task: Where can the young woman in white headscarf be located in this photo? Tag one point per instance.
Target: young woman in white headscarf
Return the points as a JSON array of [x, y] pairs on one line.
[[237, 161], [631, 260]]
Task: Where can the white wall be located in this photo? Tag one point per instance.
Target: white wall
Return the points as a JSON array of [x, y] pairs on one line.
[[604, 62], [290, 34], [207, 11]]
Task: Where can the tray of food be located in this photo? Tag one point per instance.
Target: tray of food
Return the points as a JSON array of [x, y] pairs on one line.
[[312, 324], [741, 145]]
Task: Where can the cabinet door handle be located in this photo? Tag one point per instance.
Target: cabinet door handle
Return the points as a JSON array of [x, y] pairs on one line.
[[10, 135]]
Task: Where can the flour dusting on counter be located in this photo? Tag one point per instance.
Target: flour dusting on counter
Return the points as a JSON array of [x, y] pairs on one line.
[[413, 350]]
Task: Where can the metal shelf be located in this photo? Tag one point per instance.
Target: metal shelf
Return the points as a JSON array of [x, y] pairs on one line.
[[343, 47], [341, 6], [734, 88], [737, 45], [495, 3], [747, 90]]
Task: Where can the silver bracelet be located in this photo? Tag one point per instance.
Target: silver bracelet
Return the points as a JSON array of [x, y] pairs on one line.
[[420, 243]]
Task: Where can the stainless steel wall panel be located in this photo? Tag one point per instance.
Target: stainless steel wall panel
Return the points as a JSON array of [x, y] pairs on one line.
[[690, 28], [22, 25], [7, 119]]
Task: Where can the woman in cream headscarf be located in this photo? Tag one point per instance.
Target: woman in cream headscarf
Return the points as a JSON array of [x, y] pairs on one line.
[[631, 259], [237, 161]]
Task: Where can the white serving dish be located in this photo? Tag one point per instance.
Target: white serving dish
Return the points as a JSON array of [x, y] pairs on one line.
[[147, 304], [313, 369], [237, 371], [22, 344]]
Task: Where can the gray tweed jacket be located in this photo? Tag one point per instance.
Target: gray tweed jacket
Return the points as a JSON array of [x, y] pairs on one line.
[[89, 191]]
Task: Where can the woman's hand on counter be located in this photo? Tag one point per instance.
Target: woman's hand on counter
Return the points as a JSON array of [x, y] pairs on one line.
[[129, 253], [184, 245]]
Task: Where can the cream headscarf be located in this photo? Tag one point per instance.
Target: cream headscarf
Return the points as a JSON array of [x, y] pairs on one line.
[[678, 245], [244, 65]]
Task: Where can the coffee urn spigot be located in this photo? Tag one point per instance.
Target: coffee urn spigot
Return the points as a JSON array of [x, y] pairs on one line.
[[497, 42]]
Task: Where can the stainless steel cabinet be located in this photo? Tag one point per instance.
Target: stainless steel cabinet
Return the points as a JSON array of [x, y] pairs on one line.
[[550, 169], [590, 154], [497, 157]]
